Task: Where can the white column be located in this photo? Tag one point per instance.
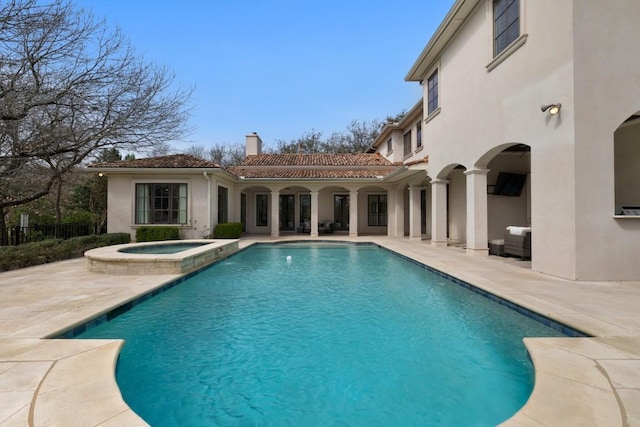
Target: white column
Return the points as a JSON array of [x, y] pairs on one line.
[[439, 212], [236, 197], [399, 212], [414, 213], [275, 213], [353, 213], [477, 223], [314, 214]]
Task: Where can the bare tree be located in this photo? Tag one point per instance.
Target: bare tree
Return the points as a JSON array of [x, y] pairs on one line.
[[196, 151], [227, 155], [70, 86], [358, 137]]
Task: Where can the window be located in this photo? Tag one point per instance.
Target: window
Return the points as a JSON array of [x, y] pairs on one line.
[[161, 203], [419, 134], [223, 205], [377, 210], [262, 207], [432, 92], [389, 146], [506, 23], [407, 143], [305, 208]]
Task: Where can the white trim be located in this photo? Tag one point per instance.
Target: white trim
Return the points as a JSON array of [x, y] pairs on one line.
[[133, 198], [515, 45], [433, 114], [495, 60]]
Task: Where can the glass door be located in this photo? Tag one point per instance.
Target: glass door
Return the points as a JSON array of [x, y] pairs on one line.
[[287, 212], [305, 213], [341, 212]]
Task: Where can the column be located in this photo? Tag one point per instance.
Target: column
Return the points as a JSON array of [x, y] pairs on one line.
[[414, 213], [439, 212], [353, 213], [275, 213], [314, 214], [477, 223]]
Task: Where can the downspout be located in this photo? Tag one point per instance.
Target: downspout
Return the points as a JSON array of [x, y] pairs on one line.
[[208, 201]]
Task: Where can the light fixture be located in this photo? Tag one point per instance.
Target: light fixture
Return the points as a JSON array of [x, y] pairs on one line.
[[553, 109], [100, 174]]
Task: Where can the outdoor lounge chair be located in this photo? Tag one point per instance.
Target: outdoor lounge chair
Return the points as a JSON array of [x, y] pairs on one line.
[[305, 226], [517, 242], [325, 227]]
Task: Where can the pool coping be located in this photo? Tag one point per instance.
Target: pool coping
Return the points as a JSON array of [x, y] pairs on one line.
[[593, 374]]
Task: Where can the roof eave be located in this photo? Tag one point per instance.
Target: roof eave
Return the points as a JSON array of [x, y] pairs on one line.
[[445, 32]]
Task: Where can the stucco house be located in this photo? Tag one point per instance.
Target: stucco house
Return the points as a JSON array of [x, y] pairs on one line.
[[270, 194], [530, 116], [494, 73]]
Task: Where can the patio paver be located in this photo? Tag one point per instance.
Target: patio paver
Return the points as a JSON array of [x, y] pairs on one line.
[[579, 381]]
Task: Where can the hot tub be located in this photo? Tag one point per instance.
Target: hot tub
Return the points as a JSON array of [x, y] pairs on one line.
[[167, 257]]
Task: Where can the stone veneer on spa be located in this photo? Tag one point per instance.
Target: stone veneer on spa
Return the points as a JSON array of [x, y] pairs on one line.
[[111, 260]]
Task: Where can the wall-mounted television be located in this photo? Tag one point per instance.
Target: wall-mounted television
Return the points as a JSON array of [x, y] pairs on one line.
[[509, 184]]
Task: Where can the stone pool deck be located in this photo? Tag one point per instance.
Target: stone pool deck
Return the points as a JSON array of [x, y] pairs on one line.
[[579, 381]]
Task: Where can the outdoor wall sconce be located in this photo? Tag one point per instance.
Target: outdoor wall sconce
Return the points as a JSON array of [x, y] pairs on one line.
[[553, 109]]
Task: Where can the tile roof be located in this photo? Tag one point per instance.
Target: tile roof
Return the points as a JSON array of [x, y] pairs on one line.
[[313, 166], [359, 159], [276, 166], [183, 161], [308, 173]]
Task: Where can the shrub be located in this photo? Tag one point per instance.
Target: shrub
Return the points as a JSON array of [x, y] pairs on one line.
[[154, 234], [228, 230], [35, 253]]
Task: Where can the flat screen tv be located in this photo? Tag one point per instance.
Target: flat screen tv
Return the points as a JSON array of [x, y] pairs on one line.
[[509, 184]]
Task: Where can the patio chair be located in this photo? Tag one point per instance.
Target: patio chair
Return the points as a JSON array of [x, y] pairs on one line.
[[325, 227], [517, 242]]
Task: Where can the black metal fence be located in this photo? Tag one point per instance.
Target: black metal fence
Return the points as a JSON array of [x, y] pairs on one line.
[[17, 235]]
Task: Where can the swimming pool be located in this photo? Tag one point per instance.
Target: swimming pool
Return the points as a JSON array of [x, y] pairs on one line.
[[306, 335]]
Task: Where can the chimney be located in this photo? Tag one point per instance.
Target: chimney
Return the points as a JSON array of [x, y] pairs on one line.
[[253, 144]]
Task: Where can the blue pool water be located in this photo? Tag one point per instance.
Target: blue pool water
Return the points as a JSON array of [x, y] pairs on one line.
[[167, 248], [336, 335]]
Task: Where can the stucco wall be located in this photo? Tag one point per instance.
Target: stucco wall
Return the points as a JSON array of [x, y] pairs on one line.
[[607, 81], [121, 202], [482, 109]]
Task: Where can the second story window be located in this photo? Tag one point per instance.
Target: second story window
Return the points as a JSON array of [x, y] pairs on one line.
[[432, 92], [419, 134], [407, 143], [389, 146], [506, 23]]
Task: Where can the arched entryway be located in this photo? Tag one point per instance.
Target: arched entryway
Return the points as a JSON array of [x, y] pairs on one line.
[[626, 160], [449, 208], [508, 187]]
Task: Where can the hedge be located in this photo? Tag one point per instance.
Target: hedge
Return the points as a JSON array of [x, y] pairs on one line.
[[45, 251], [154, 234], [228, 230]]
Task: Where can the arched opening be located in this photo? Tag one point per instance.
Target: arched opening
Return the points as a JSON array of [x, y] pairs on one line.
[[255, 202], [508, 188], [626, 142], [294, 210], [373, 209], [454, 205], [333, 209]]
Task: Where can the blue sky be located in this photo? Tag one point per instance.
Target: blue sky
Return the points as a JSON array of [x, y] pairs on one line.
[[282, 67]]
